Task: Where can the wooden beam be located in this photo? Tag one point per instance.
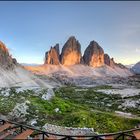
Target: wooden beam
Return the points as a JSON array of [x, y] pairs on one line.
[[24, 134], [137, 134], [5, 126]]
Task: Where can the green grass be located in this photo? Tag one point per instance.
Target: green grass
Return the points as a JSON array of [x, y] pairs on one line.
[[75, 115], [77, 108]]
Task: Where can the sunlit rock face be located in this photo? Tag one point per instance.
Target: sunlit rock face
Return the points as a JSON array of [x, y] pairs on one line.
[[94, 55], [71, 52], [107, 59], [52, 56], [6, 60]]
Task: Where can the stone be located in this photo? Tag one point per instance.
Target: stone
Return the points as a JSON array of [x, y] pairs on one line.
[[107, 59], [94, 55], [71, 52], [52, 56], [112, 63]]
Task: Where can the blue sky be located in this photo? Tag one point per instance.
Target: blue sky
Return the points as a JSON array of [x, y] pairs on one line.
[[29, 28]]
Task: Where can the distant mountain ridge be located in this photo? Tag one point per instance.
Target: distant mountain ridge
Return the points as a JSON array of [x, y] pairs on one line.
[[70, 63], [93, 56], [136, 68]]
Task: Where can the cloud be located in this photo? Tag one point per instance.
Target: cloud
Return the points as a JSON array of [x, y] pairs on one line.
[[137, 50]]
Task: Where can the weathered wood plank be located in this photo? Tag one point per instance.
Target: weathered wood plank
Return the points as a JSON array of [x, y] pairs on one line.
[[5, 126], [7, 133], [137, 134], [24, 134]]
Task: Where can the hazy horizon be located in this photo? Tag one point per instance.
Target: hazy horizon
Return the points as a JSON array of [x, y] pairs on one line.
[[29, 29]]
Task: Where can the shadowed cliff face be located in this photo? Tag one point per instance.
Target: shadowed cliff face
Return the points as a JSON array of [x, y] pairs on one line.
[[107, 59], [52, 56], [71, 52], [6, 61], [94, 55]]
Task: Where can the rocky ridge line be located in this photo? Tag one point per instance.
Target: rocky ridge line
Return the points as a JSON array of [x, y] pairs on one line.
[[94, 55]]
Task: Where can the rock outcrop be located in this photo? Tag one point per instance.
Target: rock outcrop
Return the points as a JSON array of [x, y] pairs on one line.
[[94, 55], [71, 52], [112, 63], [52, 56], [6, 60], [107, 59]]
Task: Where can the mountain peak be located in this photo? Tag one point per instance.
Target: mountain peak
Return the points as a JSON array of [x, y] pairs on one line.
[[71, 52], [3, 47], [52, 56], [94, 55], [6, 61], [72, 38]]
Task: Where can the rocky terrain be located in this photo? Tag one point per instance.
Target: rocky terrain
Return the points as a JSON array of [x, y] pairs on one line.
[[76, 94], [6, 60], [13, 74], [71, 67], [74, 109], [80, 74]]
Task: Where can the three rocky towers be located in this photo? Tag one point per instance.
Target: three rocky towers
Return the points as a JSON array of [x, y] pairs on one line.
[[71, 54]]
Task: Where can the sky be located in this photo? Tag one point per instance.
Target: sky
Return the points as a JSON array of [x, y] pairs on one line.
[[29, 29]]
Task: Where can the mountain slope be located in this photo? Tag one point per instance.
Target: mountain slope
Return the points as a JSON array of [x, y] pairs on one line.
[[13, 74], [136, 68], [79, 70]]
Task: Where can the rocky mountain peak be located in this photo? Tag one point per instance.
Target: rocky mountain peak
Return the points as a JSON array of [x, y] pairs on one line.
[[52, 56], [94, 55], [71, 52], [3, 47], [6, 60]]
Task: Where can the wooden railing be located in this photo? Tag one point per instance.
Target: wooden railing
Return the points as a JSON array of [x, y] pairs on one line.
[[13, 130]]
